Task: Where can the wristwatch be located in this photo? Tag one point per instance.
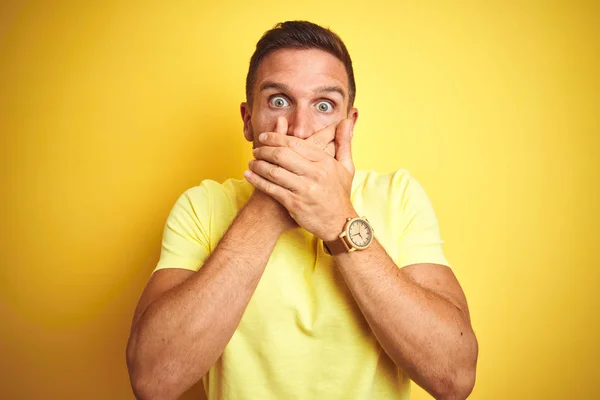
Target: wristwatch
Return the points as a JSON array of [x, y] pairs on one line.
[[356, 235]]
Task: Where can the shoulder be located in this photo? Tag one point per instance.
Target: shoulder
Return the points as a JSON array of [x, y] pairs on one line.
[[395, 185], [396, 195], [196, 199], [207, 187], [210, 193], [371, 177], [209, 208]]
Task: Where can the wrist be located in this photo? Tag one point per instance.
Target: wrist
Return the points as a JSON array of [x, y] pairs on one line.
[[336, 226], [272, 213]]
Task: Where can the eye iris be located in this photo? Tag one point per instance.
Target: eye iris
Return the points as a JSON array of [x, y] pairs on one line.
[[323, 106], [279, 102]]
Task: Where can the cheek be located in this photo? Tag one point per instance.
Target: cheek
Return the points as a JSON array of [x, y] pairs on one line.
[[264, 122], [329, 118], [324, 120]]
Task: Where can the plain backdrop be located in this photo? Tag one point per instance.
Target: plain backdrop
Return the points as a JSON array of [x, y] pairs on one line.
[[110, 110]]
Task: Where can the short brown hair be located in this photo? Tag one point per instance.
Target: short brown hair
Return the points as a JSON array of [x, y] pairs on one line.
[[300, 35]]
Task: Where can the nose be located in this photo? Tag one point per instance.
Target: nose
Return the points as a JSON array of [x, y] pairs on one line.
[[300, 122]]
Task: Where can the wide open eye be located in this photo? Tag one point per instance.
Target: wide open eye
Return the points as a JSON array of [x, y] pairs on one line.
[[324, 106], [278, 102]]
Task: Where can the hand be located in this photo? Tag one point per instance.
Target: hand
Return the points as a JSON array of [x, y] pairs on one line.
[[312, 186], [266, 204]]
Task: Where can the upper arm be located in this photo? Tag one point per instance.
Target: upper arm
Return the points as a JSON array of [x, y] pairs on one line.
[[185, 241], [419, 239], [420, 247], [185, 246]]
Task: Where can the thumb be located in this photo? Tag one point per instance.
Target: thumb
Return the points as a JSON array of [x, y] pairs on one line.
[[281, 126], [343, 139]]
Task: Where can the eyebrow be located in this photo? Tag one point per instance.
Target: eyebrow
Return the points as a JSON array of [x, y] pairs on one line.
[[331, 89], [321, 89]]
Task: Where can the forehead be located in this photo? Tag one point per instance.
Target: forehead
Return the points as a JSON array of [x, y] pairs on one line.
[[302, 69]]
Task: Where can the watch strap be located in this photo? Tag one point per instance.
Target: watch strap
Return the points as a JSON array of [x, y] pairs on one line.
[[336, 247]]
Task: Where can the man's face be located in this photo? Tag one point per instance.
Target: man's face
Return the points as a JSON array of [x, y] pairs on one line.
[[308, 87]]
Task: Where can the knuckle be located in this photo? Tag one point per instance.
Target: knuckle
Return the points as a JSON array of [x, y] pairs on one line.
[[318, 142], [294, 143], [269, 188], [258, 166], [273, 172], [296, 204], [321, 174], [278, 155], [285, 200], [330, 149], [312, 188]]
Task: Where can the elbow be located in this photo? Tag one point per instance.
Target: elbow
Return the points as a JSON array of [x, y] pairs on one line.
[[458, 387], [461, 387], [141, 389], [140, 378], [149, 386], [139, 384], [150, 379], [460, 382], [143, 385]]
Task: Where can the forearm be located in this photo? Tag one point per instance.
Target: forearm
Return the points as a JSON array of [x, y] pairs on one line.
[[182, 333], [424, 333]]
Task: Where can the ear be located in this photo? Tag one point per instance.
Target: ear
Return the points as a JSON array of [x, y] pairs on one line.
[[353, 115], [246, 118]]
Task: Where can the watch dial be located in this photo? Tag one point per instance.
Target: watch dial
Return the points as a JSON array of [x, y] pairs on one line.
[[360, 233]]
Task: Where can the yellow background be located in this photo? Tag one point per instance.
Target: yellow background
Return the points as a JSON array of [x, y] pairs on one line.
[[109, 111]]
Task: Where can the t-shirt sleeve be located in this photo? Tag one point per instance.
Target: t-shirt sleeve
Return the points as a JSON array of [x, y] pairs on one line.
[[420, 240], [185, 242]]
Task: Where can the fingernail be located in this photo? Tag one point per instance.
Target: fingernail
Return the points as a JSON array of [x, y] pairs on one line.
[[247, 174], [254, 152], [263, 137], [250, 163]]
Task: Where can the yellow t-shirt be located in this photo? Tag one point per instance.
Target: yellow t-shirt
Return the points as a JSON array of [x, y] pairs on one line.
[[302, 335]]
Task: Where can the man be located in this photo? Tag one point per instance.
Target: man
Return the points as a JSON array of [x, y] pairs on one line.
[[273, 287]]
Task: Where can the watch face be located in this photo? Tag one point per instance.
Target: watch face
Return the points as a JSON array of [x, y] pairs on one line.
[[360, 233]]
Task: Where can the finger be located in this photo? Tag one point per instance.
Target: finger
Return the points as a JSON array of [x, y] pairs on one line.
[[281, 126], [278, 137], [343, 140], [330, 149], [283, 157], [280, 194], [323, 137], [299, 146], [275, 174]]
